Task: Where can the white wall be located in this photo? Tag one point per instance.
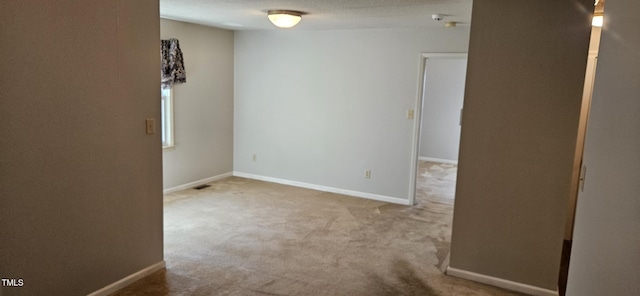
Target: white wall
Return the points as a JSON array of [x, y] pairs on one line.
[[321, 107], [203, 106], [443, 97], [605, 258]]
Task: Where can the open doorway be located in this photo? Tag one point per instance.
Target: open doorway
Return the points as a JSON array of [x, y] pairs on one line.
[[578, 169], [438, 123]]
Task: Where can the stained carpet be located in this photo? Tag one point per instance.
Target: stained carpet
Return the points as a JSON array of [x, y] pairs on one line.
[[247, 237]]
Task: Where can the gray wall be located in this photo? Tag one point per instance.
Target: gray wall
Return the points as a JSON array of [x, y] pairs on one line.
[[321, 107], [605, 258], [80, 182], [203, 106], [522, 102], [443, 96]]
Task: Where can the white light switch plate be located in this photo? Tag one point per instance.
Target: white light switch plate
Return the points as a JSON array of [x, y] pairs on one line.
[[151, 126]]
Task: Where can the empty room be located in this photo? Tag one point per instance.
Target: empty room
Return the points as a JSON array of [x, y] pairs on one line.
[[319, 147]]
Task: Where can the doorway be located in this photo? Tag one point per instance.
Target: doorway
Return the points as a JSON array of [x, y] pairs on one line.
[[437, 126], [578, 169]]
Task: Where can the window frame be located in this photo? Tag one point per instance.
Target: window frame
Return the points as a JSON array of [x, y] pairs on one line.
[[167, 122]]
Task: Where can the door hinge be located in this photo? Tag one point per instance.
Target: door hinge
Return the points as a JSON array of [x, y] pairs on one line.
[[583, 175]]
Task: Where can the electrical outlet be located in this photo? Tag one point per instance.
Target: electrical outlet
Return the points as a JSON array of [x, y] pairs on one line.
[[151, 126], [367, 174]]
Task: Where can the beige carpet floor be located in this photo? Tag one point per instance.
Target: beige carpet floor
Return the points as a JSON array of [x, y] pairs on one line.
[[247, 237]]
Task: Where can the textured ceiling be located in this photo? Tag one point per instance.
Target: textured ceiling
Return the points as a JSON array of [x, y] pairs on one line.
[[320, 14]]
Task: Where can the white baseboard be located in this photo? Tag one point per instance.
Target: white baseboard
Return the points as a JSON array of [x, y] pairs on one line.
[[440, 160], [197, 183], [110, 289], [498, 282], [377, 197]]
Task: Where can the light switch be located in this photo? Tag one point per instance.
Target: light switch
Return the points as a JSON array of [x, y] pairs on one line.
[[151, 126], [410, 114]]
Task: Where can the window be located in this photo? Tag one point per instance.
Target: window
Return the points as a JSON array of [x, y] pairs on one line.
[[167, 117]]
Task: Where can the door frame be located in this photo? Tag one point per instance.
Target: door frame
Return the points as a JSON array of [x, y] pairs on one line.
[[578, 165], [417, 122]]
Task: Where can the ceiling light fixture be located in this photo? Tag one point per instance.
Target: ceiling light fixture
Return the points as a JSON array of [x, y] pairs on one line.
[[284, 18], [597, 20], [598, 15]]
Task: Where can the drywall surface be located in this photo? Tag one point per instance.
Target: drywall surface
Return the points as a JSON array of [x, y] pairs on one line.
[[203, 106], [605, 258], [443, 96], [522, 103], [80, 181], [321, 107]]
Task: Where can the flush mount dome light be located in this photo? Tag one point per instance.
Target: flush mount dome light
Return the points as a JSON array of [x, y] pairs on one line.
[[597, 20], [284, 18]]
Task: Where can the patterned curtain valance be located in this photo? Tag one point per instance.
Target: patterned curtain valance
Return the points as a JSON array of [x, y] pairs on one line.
[[172, 63]]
